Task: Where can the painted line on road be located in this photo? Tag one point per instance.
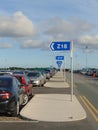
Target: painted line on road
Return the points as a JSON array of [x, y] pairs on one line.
[[89, 107]]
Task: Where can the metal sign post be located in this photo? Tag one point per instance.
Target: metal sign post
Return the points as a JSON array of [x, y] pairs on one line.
[[64, 68], [71, 59]]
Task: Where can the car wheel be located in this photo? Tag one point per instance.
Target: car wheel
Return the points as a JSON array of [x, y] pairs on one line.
[[39, 85], [14, 108], [43, 84], [26, 98]]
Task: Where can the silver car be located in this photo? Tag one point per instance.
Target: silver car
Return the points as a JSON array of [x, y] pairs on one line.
[[36, 78]]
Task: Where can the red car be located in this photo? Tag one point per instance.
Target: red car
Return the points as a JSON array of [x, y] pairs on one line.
[[26, 85]]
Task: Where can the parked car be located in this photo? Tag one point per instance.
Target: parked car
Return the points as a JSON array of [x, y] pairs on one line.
[[11, 95], [6, 73], [96, 74], [84, 71], [26, 85], [18, 72], [91, 71], [47, 74], [36, 78], [44, 75]]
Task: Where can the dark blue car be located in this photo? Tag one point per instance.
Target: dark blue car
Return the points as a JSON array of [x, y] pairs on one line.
[[11, 95]]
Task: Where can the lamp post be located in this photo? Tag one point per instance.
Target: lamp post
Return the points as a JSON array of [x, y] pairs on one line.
[[86, 56]]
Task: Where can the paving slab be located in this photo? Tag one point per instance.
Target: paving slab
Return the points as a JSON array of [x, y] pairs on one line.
[[56, 84], [57, 81], [53, 108]]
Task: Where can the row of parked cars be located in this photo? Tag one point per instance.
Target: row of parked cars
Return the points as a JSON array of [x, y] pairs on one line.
[[16, 88], [90, 72]]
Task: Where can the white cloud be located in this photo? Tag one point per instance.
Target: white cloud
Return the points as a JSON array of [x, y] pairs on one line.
[[59, 28], [5, 45], [17, 25], [34, 44], [55, 28], [87, 40], [31, 44]]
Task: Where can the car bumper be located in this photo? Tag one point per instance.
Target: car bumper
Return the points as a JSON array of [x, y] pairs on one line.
[[35, 83], [4, 106]]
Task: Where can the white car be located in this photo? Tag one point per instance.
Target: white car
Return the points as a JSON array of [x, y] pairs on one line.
[[36, 78]]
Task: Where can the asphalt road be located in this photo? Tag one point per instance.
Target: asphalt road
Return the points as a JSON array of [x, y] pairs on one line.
[[87, 124], [46, 126], [87, 89]]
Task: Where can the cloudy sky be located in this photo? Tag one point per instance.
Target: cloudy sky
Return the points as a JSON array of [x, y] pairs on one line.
[[27, 27]]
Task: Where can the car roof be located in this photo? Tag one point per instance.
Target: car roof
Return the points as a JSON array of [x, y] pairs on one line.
[[6, 77], [18, 75], [36, 71]]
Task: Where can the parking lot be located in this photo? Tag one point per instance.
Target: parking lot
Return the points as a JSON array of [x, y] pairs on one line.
[[55, 88], [46, 89], [57, 94]]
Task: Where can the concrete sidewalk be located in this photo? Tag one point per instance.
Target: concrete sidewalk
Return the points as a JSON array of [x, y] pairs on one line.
[[57, 81], [54, 107]]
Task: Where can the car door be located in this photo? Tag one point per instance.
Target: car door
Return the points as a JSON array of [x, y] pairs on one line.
[[30, 86], [20, 92]]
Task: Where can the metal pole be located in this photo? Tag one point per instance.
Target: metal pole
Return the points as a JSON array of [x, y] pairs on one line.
[[64, 68], [86, 56], [71, 56]]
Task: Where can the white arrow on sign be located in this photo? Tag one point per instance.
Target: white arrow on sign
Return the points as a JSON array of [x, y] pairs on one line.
[[52, 46]]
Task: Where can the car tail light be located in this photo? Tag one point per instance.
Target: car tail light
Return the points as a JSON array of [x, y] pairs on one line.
[[25, 88], [23, 80], [5, 95]]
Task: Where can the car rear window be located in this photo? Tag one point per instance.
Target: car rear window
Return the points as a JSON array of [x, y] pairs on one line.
[[33, 74], [5, 83], [16, 72]]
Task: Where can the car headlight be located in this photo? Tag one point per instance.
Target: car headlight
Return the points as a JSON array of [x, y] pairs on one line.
[[36, 81]]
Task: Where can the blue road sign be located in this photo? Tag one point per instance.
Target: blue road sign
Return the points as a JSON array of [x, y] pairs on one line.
[[59, 63], [60, 46], [59, 57]]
